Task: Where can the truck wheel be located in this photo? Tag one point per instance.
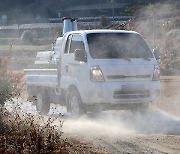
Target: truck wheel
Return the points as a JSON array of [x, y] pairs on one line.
[[140, 109], [42, 104], [75, 105]]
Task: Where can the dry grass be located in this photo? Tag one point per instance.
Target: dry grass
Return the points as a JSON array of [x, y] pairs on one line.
[[32, 134]]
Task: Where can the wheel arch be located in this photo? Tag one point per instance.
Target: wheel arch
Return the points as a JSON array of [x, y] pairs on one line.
[[73, 87]]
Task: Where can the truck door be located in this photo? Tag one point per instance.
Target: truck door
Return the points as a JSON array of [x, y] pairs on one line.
[[75, 72]]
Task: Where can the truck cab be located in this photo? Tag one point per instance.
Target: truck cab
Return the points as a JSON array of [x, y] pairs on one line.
[[109, 69]]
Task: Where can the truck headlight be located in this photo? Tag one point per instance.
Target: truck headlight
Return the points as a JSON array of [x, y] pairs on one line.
[[96, 74], [156, 73]]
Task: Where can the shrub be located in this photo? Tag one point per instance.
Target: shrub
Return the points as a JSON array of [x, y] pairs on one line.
[[33, 134], [27, 36], [104, 21], [5, 90], [6, 87], [170, 56]]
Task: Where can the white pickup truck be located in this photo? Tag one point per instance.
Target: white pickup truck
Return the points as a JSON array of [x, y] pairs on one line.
[[97, 70]]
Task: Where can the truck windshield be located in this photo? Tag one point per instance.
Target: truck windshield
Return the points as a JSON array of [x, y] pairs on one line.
[[117, 45]]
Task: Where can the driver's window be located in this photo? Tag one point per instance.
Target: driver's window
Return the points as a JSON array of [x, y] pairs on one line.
[[76, 43]]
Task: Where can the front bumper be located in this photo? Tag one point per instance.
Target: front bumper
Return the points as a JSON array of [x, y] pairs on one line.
[[106, 92]]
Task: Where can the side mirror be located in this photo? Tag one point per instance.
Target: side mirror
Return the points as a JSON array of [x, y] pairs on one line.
[[80, 55], [157, 53]]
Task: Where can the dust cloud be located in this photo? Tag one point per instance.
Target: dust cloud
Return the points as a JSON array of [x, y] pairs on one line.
[[159, 24], [155, 21], [113, 124], [99, 125], [109, 124]]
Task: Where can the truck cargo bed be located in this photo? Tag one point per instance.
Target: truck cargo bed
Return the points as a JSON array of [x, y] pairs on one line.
[[41, 77]]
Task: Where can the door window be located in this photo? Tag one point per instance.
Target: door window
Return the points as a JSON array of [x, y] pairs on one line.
[[76, 43]]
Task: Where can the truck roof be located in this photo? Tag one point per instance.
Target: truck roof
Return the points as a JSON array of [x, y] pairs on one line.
[[102, 31]]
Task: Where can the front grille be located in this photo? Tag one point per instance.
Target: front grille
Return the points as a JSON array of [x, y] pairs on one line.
[[119, 94], [127, 76]]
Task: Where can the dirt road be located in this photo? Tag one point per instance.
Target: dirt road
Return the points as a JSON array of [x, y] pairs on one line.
[[122, 132], [142, 144]]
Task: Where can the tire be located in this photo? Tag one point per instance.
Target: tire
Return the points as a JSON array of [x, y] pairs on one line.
[[140, 109], [74, 104], [42, 103]]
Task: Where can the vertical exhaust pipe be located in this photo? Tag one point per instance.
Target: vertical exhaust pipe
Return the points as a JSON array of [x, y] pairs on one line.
[[74, 24], [69, 24]]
